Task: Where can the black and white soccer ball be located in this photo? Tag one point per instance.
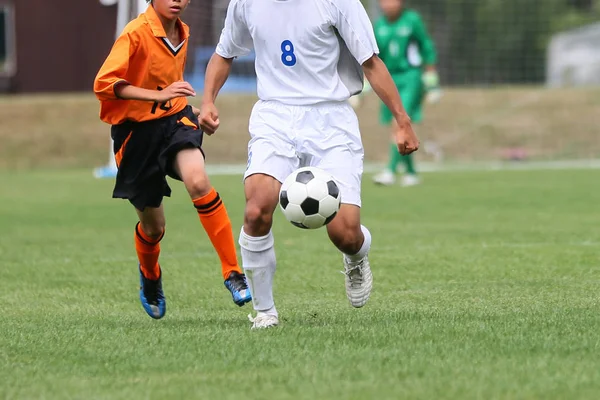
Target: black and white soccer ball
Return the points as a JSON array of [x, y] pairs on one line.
[[309, 198]]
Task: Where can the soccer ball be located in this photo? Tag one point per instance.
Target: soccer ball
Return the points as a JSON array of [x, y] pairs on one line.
[[309, 198]]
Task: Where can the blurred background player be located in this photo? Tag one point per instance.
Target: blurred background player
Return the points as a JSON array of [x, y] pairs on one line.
[[143, 96], [126, 11], [410, 55]]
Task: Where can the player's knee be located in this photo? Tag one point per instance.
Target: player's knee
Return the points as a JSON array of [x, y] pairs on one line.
[[258, 218], [153, 229], [197, 185]]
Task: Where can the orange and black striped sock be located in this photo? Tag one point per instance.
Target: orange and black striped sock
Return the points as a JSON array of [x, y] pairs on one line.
[[217, 225], [148, 250]]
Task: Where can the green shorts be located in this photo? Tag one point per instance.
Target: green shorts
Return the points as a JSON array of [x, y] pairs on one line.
[[411, 91]]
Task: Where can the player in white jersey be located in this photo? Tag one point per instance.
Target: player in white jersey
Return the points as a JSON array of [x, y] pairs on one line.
[[309, 55]]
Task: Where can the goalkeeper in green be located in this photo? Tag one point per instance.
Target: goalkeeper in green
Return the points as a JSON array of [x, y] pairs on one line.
[[409, 54]]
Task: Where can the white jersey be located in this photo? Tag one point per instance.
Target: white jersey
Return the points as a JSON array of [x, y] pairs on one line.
[[307, 51]]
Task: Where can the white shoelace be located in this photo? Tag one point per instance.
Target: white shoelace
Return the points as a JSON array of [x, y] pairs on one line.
[[355, 273]]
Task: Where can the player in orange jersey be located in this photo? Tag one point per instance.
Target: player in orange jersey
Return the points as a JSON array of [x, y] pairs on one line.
[[143, 96]]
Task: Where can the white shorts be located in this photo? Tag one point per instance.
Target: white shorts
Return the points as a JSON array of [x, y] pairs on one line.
[[284, 138]]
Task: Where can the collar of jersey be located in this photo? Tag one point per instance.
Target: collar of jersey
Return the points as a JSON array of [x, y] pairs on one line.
[[157, 28]]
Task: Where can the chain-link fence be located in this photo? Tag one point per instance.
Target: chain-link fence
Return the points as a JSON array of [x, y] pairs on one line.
[[496, 59]]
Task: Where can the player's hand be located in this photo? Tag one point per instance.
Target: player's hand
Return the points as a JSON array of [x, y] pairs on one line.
[[209, 118], [431, 83], [406, 139], [196, 111], [431, 79], [174, 90]]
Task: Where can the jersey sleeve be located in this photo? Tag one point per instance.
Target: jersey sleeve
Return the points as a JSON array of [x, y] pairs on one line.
[[426, 45], [352, 22], [115, 67], [235, 40], [379, 39]]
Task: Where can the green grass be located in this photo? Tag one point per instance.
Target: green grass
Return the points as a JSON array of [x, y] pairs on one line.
[[486, 286]]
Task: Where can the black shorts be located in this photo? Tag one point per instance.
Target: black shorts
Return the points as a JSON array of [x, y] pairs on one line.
[[145, 152]]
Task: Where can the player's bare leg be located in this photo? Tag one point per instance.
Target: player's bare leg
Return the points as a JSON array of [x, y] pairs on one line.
[[256, 242], [354, 241], [189, 165], [152, 221], [148, 234]]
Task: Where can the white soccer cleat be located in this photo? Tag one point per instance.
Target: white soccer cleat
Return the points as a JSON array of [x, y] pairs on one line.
[[359, 281], [410, 180], [263, 321], [385, 177]]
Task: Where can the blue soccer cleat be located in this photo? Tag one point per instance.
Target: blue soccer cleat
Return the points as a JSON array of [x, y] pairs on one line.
[[152, 296], [236, 284]]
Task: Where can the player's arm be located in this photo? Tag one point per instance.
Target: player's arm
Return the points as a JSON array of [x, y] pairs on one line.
[[110, 82], [235, 41], [429, 55], [426, 45], [383, 85], [126, 91], [382, 55], [114, 70], [352, 22], [217, 72]]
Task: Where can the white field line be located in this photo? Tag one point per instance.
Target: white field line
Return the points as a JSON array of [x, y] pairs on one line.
[[238, 169]]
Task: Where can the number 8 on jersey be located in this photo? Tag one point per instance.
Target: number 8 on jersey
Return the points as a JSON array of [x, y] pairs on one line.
[[288, 58]]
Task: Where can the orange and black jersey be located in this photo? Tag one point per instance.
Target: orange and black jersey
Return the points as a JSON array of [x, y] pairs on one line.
[[142, 56]]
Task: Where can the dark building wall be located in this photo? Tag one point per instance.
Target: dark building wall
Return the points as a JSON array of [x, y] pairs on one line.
[[61, 44], [6, 76]]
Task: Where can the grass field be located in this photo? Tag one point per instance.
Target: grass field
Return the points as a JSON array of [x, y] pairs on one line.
[[486, 287]]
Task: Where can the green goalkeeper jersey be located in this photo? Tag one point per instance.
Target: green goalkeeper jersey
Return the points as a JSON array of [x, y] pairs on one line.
[[404, 44]]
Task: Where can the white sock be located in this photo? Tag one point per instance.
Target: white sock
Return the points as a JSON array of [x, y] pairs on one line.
[[364, 249], [258, 261]]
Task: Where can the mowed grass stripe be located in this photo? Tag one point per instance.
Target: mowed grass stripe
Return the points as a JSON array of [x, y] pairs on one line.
[[485, 287]]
